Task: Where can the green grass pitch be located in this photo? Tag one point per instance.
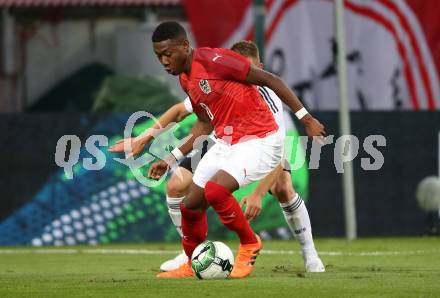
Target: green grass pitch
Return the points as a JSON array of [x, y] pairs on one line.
[[370, 267]]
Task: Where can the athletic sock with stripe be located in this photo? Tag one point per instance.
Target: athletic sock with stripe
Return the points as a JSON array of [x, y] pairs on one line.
[[297, 217], [174, 212]]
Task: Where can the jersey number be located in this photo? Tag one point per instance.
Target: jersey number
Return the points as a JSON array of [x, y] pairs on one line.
[[208, 111]]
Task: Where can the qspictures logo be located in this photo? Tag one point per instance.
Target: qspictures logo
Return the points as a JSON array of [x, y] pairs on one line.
[[345, 149]]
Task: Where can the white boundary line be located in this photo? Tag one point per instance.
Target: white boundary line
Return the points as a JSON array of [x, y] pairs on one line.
[[170, 252]]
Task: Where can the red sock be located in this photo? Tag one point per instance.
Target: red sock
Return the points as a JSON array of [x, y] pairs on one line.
[[229, 211], [194, 229]]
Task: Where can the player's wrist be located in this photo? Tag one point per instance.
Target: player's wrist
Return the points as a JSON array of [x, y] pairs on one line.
[[306, 119], [170, 160], [257, 195]]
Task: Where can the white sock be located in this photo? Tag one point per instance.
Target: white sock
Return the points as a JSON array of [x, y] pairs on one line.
[[297, 217], [174, 211]]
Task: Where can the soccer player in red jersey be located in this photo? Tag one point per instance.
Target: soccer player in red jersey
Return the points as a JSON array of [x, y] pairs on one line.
[[221, 86]]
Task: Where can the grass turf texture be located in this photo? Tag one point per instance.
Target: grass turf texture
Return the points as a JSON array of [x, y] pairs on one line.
[[388, 267]]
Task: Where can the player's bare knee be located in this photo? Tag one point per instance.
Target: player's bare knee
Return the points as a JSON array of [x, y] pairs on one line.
[[189, 205], [195, 200], [175, 188]]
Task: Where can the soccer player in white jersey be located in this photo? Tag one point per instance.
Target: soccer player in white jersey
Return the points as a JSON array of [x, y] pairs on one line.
[[279, 182]]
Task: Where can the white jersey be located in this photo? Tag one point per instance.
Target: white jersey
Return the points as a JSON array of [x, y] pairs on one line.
[[275, 105], [188, 105]]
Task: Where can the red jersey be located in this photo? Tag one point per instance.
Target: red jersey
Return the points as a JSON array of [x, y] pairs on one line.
[[216, 87]]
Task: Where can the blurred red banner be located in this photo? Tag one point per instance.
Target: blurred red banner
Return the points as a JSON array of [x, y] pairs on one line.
[[393, 48]]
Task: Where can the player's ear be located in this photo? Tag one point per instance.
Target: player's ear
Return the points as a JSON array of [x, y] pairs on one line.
[[185, 44], [261, 65]]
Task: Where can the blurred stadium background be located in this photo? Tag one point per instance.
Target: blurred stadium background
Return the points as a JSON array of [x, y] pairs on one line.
[[79, 67]]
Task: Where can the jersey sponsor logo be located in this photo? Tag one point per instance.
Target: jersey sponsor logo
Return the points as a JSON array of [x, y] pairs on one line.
[[204, 86]]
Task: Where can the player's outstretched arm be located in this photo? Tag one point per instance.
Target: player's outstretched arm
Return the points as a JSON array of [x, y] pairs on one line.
[[176, 113], [253, 201], [261, 77], [159, 168]]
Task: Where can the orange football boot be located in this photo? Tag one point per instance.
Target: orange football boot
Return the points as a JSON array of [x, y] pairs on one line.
[[183, 271], [245, 260]]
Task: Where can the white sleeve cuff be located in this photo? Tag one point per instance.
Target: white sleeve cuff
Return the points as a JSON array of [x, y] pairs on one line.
[[301, 113], [188, 105]]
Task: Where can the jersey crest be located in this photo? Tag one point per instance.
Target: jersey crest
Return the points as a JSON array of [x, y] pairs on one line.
[[204, 85]]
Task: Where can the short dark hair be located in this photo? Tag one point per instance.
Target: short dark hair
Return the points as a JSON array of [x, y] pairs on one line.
[[247, 48], [168, 30]]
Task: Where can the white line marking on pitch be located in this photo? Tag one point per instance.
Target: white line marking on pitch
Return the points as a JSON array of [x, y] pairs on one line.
[[168, 252]]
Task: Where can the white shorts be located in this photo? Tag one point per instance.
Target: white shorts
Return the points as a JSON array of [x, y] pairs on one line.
[[247, 162]]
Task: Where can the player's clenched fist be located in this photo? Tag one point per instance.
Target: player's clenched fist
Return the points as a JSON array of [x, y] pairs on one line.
[[157, 169]]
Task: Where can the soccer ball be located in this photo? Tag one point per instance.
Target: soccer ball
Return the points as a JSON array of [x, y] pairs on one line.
[[212, 260], [428, 193]]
